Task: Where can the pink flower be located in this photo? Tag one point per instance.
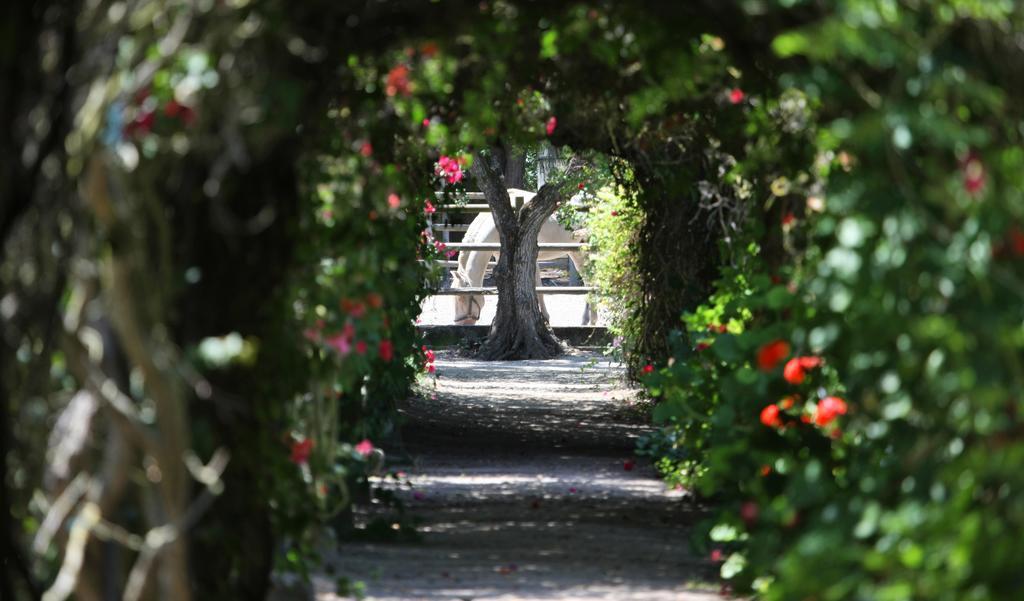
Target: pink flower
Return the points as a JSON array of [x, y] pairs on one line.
[[426, 122], [749, 512], [340, 343], [364, 447], [366, 149], [736, 96], [450, 169], [648, 368], [431, 369], [550, 126], [716, 555], [974, 173], [301, 450], [394, 201]]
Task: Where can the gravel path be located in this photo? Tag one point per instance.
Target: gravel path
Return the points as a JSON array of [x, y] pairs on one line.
[[518, 475]]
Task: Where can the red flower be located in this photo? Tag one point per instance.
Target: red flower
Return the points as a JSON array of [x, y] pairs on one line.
[[398, 81], [769, 355], [720, 328], [749, 512], [829, 408], [431, 369], [551, 125], [394, 201], [736, 96], [628, 465], [142, 123], [428, 208], [716, 555], [364, 447], [301, 450], [361, 347], [794, 373], [788, 219], [702, 346], [648, 368], [430, 355], [770, 416], [614, 213], [374, 300], [765, 470], [1016, 240], [366, 149], [787, 402], [428, 49], [386, 350]]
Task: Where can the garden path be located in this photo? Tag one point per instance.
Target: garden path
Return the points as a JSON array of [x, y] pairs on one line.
[[521, 476]]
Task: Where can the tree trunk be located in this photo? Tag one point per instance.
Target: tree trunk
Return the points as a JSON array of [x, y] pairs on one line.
[[518, 330]]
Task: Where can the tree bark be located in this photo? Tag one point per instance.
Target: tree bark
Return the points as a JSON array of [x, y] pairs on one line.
[[518, 330]]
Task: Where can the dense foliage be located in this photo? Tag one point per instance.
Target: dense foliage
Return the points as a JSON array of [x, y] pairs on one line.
[[830, 192], [855, 411]]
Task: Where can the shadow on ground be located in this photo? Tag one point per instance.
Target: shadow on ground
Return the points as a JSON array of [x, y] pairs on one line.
[[521, 475]]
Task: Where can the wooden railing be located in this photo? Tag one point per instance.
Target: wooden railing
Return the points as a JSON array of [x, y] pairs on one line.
[[475, 206]]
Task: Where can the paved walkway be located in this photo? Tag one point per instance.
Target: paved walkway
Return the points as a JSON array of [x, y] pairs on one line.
[[519, 476]]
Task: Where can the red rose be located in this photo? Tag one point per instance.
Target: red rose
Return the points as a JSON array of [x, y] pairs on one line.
[[301, 450], [749, 512], [398, 81], [794, 372], [386, 350], [770, 416], [769, 355], [829, 408], [551, 125]]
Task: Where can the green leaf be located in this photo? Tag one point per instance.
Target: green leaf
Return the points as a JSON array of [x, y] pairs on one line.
[[549, 44], [789, 44]]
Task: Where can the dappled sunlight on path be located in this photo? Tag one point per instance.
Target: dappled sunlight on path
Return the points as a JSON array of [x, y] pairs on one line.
[[522, 477]]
